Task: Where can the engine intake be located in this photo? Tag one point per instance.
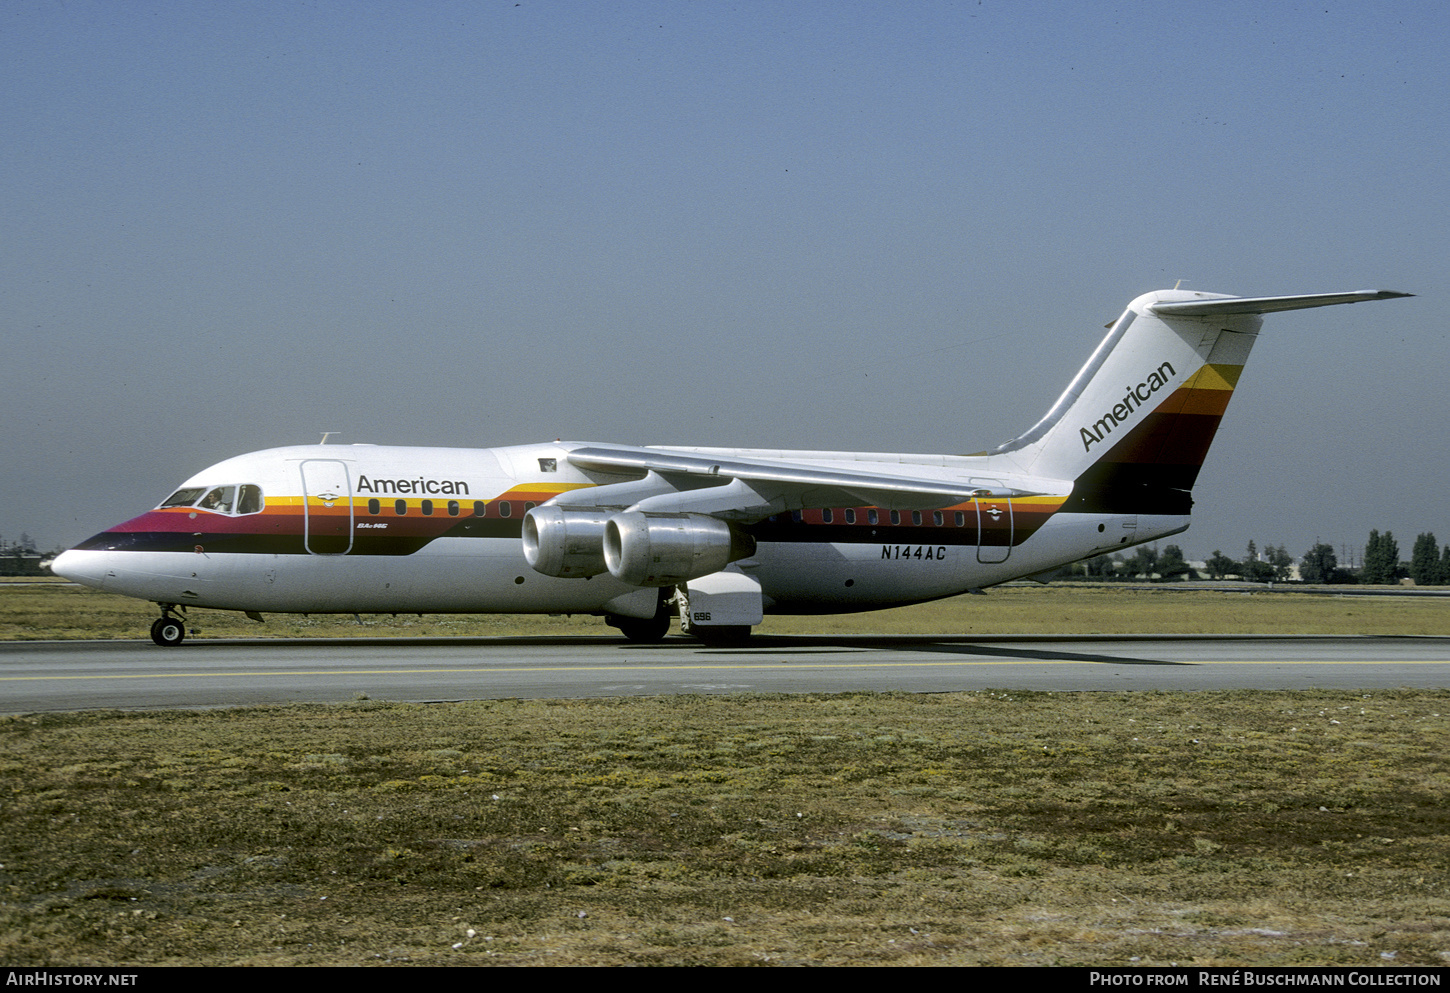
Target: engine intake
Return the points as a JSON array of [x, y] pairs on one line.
[[665, 549], [568, 544]]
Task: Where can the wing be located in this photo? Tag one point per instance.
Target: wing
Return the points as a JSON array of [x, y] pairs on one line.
[[743, 487]]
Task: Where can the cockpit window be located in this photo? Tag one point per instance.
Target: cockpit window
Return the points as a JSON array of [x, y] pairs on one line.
[[220, 499], [235, 500], [249, 500], [182, 498]]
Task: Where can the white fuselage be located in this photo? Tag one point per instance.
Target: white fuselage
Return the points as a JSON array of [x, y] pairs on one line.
[[384, 529]]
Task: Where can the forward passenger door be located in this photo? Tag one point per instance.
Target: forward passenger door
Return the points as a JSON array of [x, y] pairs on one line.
[[327, 512]]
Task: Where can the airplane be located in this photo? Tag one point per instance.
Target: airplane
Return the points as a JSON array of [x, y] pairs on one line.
[[715, 536]]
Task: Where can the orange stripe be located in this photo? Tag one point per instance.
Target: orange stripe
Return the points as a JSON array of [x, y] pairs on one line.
[[1212, 402]]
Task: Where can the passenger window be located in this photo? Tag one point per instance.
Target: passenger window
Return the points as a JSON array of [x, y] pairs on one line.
[[961, 519], [896, 517], [479, 508], [850, 515], [916, 518], [936, 518], [375, 507], [400, 507], [873, 516], [505, 509], [452, 508], [427, 508], [827, 516]]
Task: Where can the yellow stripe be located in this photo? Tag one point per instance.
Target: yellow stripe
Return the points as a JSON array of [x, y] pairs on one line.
[[545, 488], [1215, 377]]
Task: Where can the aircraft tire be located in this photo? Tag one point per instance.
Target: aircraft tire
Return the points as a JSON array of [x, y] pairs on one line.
[[645, 630], [168, 632], [725, 634]]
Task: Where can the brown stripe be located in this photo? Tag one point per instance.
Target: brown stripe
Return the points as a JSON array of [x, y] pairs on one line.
[[1177, 439]]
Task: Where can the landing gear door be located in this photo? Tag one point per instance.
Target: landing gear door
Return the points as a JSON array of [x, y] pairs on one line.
[[327, 514], [994, 525]]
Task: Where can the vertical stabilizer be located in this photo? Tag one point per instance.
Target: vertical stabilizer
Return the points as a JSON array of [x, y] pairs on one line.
[[1137, 421]]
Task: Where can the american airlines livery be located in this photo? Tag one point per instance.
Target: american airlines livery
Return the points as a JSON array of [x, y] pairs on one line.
[[719, 536]]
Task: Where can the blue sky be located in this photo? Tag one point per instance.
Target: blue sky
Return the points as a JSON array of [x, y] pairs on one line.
[[232, 226]]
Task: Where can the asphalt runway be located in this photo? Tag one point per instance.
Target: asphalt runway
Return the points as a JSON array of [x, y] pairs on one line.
[[77, 675]]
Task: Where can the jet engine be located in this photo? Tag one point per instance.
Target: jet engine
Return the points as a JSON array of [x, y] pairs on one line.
[[565, 543], [665, 549]]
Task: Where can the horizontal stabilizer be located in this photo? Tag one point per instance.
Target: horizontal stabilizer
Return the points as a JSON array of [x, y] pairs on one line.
[[1266, 305]]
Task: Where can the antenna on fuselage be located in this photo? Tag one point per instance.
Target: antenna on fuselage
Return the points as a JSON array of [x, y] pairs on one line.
[[326, 435]]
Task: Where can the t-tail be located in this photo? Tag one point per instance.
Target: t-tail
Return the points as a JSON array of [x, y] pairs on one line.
[[1134, 426]]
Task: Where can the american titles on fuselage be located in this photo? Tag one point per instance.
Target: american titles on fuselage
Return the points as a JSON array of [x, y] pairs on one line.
[[440, 487]]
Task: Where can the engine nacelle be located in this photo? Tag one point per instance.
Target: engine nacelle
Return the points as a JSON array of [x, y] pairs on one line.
[[666, 549], [568, 544]]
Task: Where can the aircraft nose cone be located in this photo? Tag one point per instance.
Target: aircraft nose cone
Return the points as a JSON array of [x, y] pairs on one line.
[[81, 567]]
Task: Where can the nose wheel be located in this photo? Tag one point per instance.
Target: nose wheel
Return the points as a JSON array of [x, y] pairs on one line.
[[168, 631]]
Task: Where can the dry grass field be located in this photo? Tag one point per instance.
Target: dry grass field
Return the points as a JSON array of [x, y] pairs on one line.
[[996, 828], [1001, 827]]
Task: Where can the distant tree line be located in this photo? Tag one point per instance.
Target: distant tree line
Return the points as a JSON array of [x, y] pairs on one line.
[[1429, 564], [19, 557], [24, 543]]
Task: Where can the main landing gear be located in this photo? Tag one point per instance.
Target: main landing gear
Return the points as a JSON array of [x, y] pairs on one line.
[[647, 630], [721, 635], [168, 630]]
